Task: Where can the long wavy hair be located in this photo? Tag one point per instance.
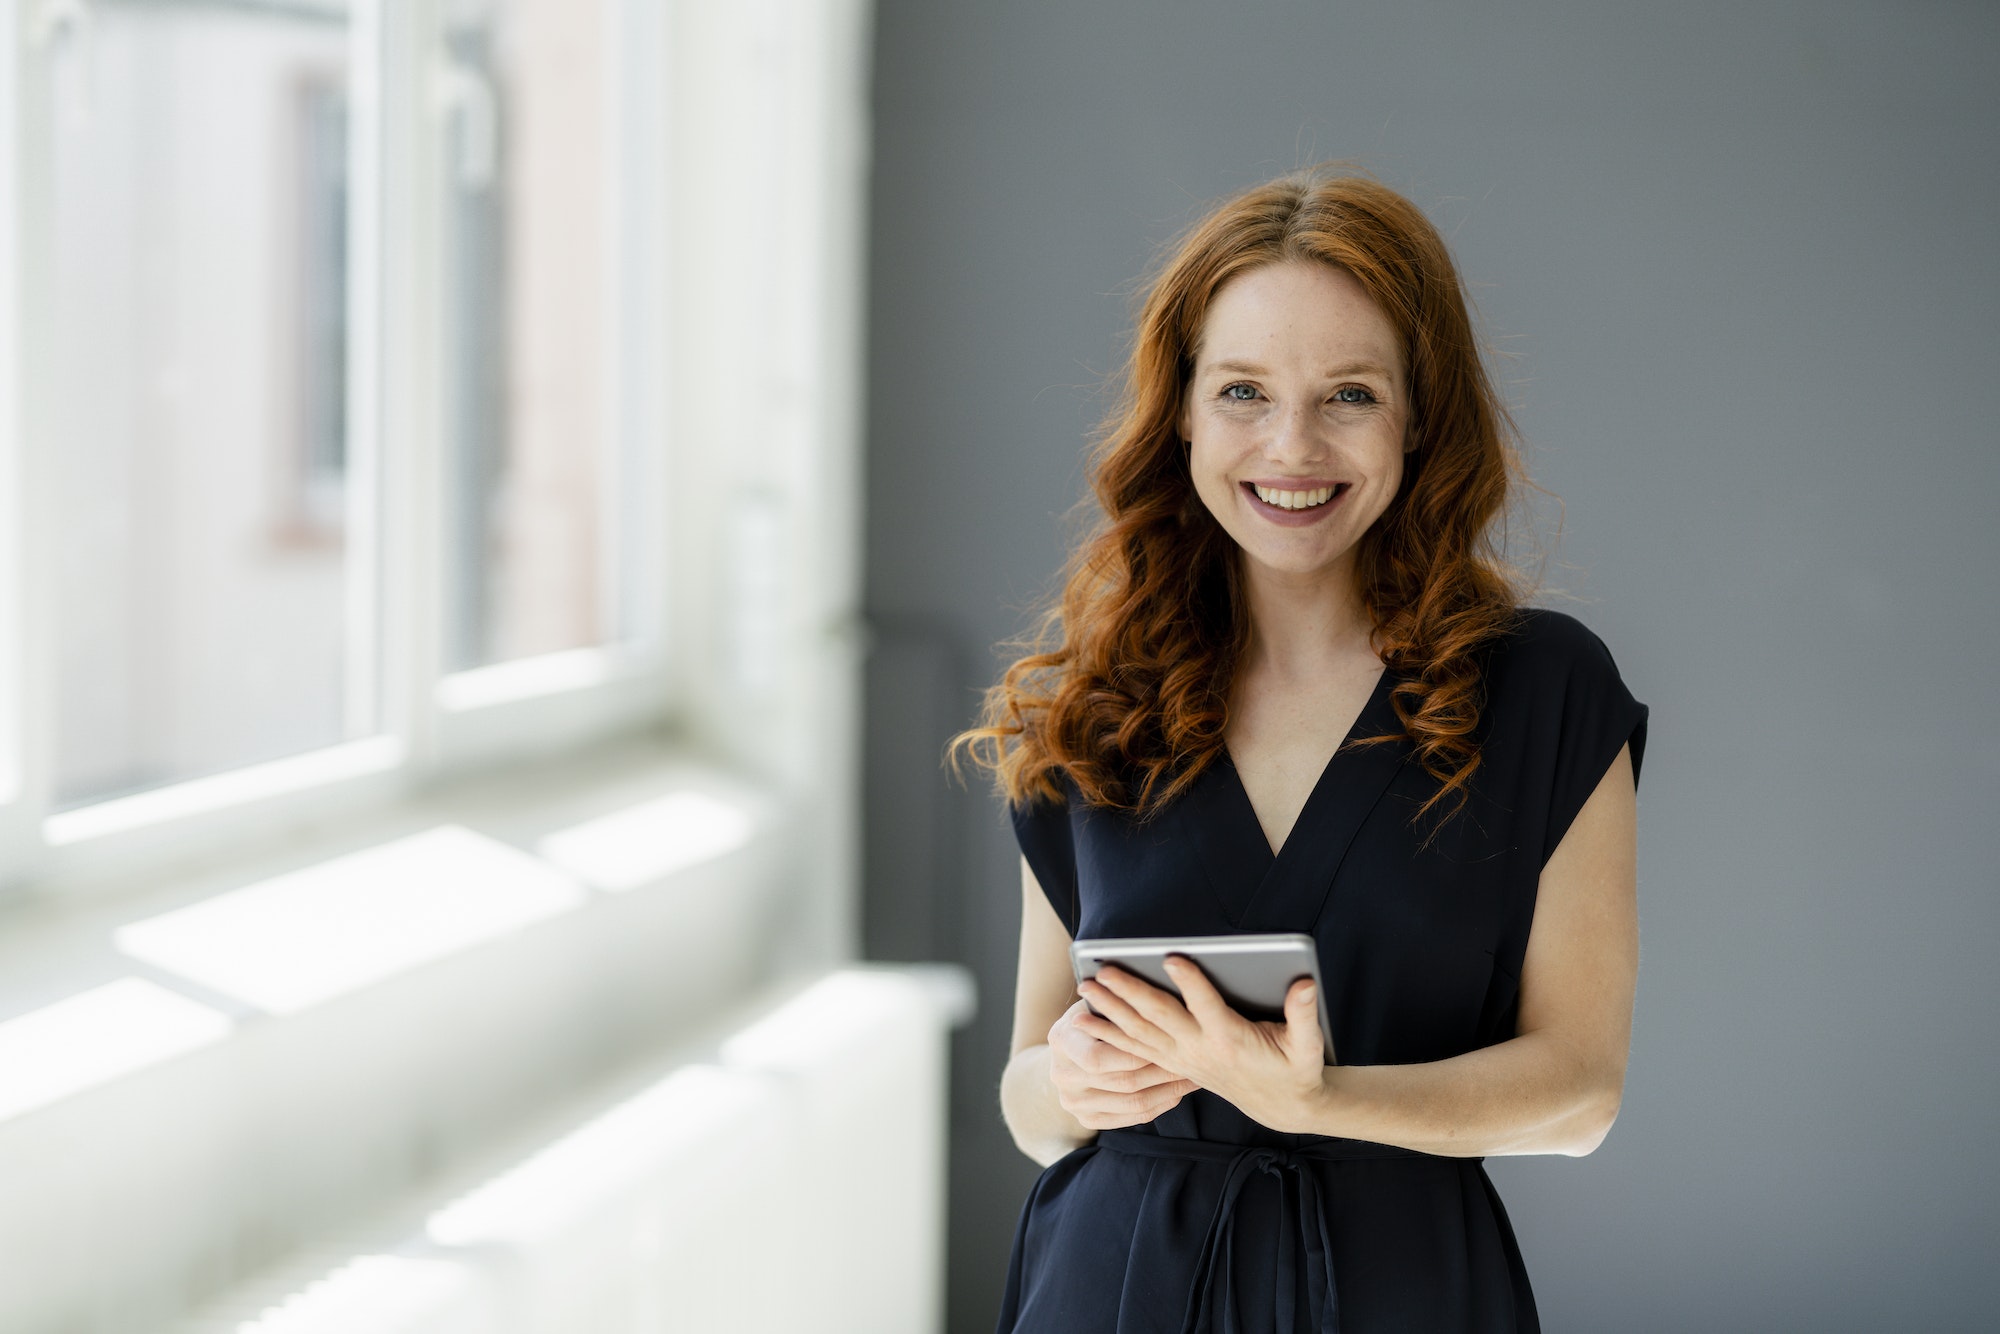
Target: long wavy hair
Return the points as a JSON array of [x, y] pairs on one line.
[[1124, 682]]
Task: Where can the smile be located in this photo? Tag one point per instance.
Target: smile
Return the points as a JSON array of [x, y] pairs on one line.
[[1295, 508], [1295, 500]]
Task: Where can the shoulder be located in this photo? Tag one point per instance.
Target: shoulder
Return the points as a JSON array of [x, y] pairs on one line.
[[1546, 657], [1559, 709], [1541, 640], [1042, 819], [1034, 803], [1552, 670]]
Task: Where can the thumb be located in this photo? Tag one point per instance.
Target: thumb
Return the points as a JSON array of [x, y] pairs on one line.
[[1302, 1019]]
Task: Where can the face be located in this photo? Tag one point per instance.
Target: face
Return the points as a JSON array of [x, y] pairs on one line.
[[1297, 413]]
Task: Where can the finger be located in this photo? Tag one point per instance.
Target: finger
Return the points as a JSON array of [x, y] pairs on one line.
[[1203, 1001], [1104, 1027], [1163, 1097], [1080, 1089], [1111, 1111], [1064, 1020], [1302, 1033], [1069, 1036], [1138, 1007], [1095, 1060], [1134, 1081], [1159, 1099], [1110, 1034], [1148, 1076], [1119, 1009]]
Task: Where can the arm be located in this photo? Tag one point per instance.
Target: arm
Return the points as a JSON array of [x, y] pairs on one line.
[[1555, 1087], [1060, 1086]]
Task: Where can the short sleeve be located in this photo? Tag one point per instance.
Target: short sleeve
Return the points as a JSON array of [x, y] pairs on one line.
[[1594, 713], [1043, 830]]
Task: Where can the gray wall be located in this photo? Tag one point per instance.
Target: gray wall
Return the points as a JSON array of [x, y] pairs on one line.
[[1742, 263]]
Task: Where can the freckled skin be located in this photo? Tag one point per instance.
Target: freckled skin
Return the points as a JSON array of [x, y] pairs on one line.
[[1298, 374]]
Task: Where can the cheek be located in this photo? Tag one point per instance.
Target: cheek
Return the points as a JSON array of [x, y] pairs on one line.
[[1209, 461], [1224, 440], [1392, 471], [1389, 475], [1208, 464]]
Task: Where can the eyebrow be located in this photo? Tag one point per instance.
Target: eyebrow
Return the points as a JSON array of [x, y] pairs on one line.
[[1335, 373]]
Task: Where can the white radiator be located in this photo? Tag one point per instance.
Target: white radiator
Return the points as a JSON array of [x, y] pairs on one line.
[[797, 1184]]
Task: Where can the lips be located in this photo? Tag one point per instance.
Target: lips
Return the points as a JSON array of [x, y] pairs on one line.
[[1294, 497], [1297, 518]]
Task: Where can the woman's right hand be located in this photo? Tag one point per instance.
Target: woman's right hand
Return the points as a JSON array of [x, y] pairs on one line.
[[1105, 1088]]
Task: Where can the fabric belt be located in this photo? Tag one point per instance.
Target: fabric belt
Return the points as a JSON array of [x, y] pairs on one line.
[[1211, 1306]]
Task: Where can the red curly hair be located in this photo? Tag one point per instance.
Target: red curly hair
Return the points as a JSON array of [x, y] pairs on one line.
[[1125, 683]]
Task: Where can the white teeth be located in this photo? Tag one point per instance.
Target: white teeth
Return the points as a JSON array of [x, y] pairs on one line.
[[1293, 500]]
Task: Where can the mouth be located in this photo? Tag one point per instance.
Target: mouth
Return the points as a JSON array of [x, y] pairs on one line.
[[1293, 508]]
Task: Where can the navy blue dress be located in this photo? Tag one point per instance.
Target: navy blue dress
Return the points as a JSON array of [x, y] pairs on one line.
[[1205, 1220]]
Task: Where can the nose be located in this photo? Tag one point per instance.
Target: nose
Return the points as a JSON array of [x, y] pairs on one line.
[[1296, 433]]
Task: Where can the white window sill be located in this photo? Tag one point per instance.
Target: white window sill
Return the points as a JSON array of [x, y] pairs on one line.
[[193, 1061]]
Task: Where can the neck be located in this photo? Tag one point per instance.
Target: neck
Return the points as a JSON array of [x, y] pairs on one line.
[[1304, 627]]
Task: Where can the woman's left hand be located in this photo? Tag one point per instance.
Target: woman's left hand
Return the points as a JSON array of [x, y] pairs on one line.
[[1271, 1072]]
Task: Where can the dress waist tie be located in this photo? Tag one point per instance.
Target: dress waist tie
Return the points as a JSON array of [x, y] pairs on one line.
[[1211, 1308]]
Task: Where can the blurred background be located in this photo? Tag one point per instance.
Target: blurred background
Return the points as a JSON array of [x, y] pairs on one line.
[[503, 502]]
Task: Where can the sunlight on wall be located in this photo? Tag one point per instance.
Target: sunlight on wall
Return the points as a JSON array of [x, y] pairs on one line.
[[645, 843], [96, 1036], [301, 938]]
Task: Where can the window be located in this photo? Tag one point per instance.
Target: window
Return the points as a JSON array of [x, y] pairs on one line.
[[533, 204], [340, 454], [355, 369], [194, 408]]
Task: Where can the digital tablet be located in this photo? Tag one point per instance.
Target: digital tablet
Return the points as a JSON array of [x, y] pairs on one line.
[[1253, 972]]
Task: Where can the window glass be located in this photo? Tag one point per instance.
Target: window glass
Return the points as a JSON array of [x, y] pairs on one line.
[[537, 431], [198, 404]]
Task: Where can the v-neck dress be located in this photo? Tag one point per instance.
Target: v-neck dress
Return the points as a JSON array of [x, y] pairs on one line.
[[1205, 1220]]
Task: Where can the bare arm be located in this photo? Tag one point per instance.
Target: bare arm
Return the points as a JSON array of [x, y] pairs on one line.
[[1061, 1086], [1553, 1088]]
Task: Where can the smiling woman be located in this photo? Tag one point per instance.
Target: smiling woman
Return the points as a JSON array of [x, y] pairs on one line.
[[1292, 636]]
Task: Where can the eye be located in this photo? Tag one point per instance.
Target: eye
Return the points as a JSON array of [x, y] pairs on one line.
[[1352, 393], [1230, 392]]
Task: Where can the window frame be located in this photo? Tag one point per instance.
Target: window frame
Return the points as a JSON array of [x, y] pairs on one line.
[[430, 727]]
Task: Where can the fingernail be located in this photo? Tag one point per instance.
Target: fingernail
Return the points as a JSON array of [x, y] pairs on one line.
[[1308, 992]]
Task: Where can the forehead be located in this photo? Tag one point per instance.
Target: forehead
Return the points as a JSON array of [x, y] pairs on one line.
[[1296, 314]]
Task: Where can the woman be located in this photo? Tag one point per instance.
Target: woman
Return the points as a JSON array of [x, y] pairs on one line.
[[1289, 686]]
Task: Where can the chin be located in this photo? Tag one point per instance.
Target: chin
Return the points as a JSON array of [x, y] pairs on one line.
[[1291, 565]]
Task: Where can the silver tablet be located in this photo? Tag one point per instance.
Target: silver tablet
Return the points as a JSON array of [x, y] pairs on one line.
[[1253, 973]]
